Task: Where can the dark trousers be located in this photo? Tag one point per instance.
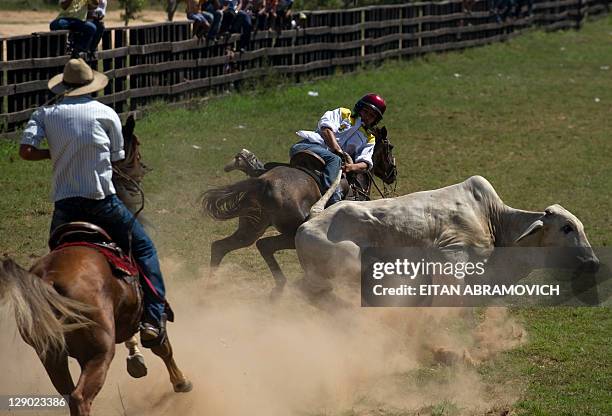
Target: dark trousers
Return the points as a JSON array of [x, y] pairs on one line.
[[84, 32]]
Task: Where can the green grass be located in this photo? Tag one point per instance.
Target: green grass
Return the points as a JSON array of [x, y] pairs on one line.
[[523, 114]]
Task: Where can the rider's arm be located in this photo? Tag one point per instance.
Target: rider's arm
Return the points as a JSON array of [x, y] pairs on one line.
[[355, 167], [112, 127], [328, 124], [363, 156], [330, 140], [32, 137]]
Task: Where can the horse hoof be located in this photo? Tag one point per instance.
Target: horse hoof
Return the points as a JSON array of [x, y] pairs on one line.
[[136, 366], [183, 387]]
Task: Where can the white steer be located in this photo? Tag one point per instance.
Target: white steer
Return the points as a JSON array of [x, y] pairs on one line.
[[468, 214]]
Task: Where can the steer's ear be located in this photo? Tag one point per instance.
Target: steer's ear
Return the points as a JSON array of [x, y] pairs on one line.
[[534, 227]]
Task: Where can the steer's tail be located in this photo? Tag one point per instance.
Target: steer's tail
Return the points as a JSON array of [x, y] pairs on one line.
[[240, 199], [42, 314]]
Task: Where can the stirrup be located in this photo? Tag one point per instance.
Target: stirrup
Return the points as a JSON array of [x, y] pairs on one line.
[[151, 335]]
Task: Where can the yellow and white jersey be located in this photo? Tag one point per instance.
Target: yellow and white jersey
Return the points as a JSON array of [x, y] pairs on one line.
[[350, 133]]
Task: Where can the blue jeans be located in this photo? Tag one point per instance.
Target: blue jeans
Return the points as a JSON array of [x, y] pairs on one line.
[[197, 17], [84, 32], [214, 18], [110, 214], [97, 36], [332, 165], [239, 22]]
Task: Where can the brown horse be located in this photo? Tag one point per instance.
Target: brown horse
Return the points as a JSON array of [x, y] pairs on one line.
[[71, 304], [281, 197]]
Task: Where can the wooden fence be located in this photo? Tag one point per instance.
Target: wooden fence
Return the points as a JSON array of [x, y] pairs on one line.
[[164, 61]]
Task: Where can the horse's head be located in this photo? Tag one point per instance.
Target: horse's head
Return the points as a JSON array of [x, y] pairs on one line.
[[132, 164], [382, 159], [129, 138]]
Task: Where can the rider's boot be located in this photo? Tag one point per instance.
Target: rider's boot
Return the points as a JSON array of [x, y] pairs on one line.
[[152, 334], [247, 162]]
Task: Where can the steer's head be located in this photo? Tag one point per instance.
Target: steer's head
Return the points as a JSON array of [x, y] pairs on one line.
[[560, 228]]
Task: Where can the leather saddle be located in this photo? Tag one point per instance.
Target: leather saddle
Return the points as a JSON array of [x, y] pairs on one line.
[[306, 161], [80, 231]]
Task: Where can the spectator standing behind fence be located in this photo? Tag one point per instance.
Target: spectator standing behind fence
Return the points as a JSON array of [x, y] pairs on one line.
[[73, 17], [236, 20], [95, 15]]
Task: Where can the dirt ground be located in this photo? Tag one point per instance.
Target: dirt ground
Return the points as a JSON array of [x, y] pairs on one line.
[[14, 23]]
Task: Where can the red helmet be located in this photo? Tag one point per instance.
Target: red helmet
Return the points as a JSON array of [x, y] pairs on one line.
[[373, 101]]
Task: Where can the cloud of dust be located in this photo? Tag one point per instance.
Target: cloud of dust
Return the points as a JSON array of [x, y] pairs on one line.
[[248, 356]]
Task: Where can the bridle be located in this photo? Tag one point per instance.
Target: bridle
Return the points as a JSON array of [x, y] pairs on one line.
[[389, 176]]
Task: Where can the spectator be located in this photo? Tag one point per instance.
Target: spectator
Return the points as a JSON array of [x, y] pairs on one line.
[[268, 13], [260, 14], [503, 8], [95, 15], [212, 9], [201, 23], [284, 15], [73, 17], [519, 6], [237, 20]]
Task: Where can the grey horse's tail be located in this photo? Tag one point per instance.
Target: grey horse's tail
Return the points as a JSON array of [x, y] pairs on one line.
[[43, 315], [239, 199]]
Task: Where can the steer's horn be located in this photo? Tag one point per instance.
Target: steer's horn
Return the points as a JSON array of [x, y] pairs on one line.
[[319, 206], [535, 226]]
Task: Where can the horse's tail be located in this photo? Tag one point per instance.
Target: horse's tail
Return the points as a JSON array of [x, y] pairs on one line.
[[235, 200], [42, 314]]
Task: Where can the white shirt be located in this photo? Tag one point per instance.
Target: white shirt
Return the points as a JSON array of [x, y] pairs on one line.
[[350, 133], [84, 136]]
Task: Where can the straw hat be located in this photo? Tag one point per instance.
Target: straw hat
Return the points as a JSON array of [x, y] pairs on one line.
[[78, 79]]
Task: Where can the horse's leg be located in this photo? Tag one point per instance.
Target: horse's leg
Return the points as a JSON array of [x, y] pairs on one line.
[[267, 247], [178, 380], [59, 373], [94, 350], [93, 374], [136, 366], [249, 230]]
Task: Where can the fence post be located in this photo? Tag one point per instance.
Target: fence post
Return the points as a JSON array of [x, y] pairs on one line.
[[362, 36], [420, 27]]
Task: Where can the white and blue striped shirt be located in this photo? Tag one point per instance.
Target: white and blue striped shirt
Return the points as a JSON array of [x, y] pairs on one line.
[[84, 136]]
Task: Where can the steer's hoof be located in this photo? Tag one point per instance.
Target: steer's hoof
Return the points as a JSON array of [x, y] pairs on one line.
[[136, 366], [184, 386]]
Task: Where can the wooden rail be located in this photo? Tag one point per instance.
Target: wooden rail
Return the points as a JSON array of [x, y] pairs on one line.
[[164, 61]]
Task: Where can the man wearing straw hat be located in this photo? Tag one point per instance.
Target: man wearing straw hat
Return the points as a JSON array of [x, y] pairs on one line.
[[84, 138]]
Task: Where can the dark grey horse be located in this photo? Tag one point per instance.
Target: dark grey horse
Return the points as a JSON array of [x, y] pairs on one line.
[[280, 197]]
